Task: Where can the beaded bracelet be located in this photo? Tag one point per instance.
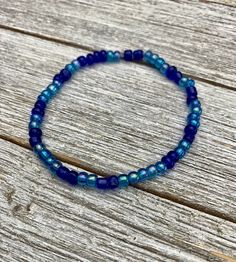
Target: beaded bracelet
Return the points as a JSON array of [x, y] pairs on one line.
[[123, 180]]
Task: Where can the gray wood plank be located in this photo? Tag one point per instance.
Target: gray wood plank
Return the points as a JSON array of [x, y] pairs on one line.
[[199, 36], [43, 219], [112, 119]]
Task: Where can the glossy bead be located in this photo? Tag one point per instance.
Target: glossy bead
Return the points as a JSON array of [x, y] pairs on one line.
[[40, 104], [138, 55], [123, 180], [34, 124], [171, 72], [142, 173], [161, 167], [71, 68], [44, 154], [103, 55], [168, 162], [47, 94], [180, 151], [113, 182], [66, 74], [90, 59], [34, 140], [153, 59], [82, 61], [62, 172], [151, 171], [133, 177], [38, 148], [53, 89], [173, 156], [49, 161], [193, 116], [183, 82], [159, 62], [147, 55], [164, 68], [58, 78], [82, 178], [178, 76], [190, 99], [71, 178], [184, 144], [76, 64], [116, 56], [128, 55], [91, 180], [197, 110], [195, 123], [195, 103], [96, 57], [189, 129], [55, 166], [35, 132], [36, 118], [43, 98], [37, 111], [110, 56], [102, 183], [189, 137], [191, 91], [190, 82]]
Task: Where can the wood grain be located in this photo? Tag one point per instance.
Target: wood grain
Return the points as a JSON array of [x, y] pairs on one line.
[[42, 219], [112, 119], [199, 36]]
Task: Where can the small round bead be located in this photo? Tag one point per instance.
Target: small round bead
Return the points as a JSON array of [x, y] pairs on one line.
[[43, 98], [168, 162], [197, 110], [133, 177], [82, 61], [90, 59], [161, 167], [47, 94], [82, 178], [34, 140], [103, 55], [171, 72], [34, 124], [72, 178], [57, 84], [55, 166], [76, 64], [38, 148], [193, 116], [58, 78], [123, 180], [62, 172], [173, 156], [189, 137], [178, 76], [53, 89], [96, 56], [152, 171], [66, 74], [37, 111], [153, 59], [185, 144], [190, 99], [49, 161], [191, 82], [147, 56], [36, 118], [116, 56], [164, 68], [194, 103], [191, 91], [128, 55], [142, 173], [110, 56], [102, 183], [189, 129], [91, 180], [194, 123], [113, 182], [40, 104], [159, 62], [44, 154], [180, 151], [35, 132], [138, 55], [71, 68], [183, 82]]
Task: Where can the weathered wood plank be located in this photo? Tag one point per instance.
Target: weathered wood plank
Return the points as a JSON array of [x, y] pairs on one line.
[[42, 219], [117, 118], [199, 36]]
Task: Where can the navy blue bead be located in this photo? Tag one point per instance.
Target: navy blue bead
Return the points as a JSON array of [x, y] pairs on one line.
[[178, 76], [189, 129], [128, 55], [168, 162], [40, 104], [173, 156], [37, 111], [171, 72], [35, 132], [34, 140], [58, 78], [63, 172], [191, 91], [103, 55], [138, 55], [96, 57], [71, 178], [102, 183], [90, 59], [113, 182], [65, 74], [191, 98], [190, 138], [82, 60]]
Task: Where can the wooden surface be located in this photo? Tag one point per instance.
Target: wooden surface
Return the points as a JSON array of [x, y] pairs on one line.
[[112, 119]]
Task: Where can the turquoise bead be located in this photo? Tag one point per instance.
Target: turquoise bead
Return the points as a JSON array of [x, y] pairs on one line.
[[36, 118], [193, 116], [47, 94], [183, 82], [161, 167], [152, 171], [34, 124], [164, 68], [50, 160], [153, 59], [43, 98], [142, 174], [55, 166], [45, 154], [110, 56], [147, 56], [190, 82], [116, 56], [185, 144], [76, 64], [38, 148], [53, 89], [197, 110], [91, 180], [123, 180], [194, 103], [180, 152], [133, 177], [57, 84], [194, 123], [71, 68], [159, 62]]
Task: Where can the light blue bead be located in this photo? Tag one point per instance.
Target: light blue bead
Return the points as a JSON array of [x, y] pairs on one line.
[[116, 56], [38, 148], [194, 103], [53, 89], [43, 98], [183, 82], [55, 165], [142, 174], [194, 123], [57, 84], [152, 171], [184, 144], [153, 59], [44, 154], [76, 64], [133, 177], [36, 118], [190, 82], [50, 160], [34, 124], [161, 167], [193, 116], [147, 56], [123, 180], [180, 151], [164, 68], [71, 68], [110, 56], [196, 110], [91, 180], [47, 94], [159, 62]]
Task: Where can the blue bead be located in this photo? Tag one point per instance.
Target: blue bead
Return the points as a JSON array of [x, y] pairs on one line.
[[43, 98], [36, 118], [194, 103], [184, 144], [38, 148], [71, 178], [133, 177], [173, 156], [102, 183], [197, 110], [153, 59], [110, 56], [128, 55], [92, 180], [195, 123], [171, 72], [90, 59], [189, 129], [180, 151], [47, 94], [49, 161], [159, 62], [190, 137], [76, 64], [193, 116], [152, 171], [40, 104], [57, 84], [164, 68], [113, 182], [62, 172], [82, 178], [71, 68], [53, 89], [183, 82], [55, 166], [58, 78], [103, 55], [34, 124], [190, 82], [44, 154], [161, 167], [96, 56], [35, 132], [147, 56], [138, 55], [82, 61], [65, 74], [116, 56], [178, 76], [123, 180], [142, 173], [37, 111], [191, 98], [34, 140], [191, 91], [168, 162]]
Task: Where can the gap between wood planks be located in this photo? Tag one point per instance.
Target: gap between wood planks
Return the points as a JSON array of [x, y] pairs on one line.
[[164, 195], [87, 48]]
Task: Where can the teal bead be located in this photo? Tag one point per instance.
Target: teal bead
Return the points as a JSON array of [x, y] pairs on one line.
[[58, 84], [110, 56], [183, 82], [53, 89], [193, 116], [34, 124], [152, 171], [55, 166], [91, 180], [153, 59], [71, 68], [43, 98], [197, 110], [45, 154], [36, 118], [147, 56], [38, 148], [194, 123], [133, 177], [123, 180], [159, 62], [180, 152], [76, 64], [142, 174], [161, 167], [47, 94], [50, 160], [185, 144], [164, 68], [190, 82], [116, 56], [194, 103]]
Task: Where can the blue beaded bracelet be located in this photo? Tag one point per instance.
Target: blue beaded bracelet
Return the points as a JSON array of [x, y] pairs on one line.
[[123, 180]]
